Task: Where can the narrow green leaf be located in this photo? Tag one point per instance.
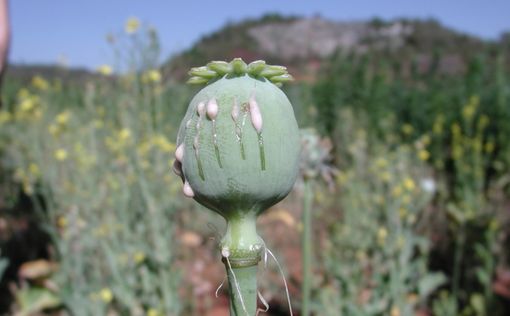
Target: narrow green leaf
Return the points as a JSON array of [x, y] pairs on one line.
[[220, 67], [256, 67], [203, 72], [238, 66]]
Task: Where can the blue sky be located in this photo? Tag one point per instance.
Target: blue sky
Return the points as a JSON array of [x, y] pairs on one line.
[[45, 30]]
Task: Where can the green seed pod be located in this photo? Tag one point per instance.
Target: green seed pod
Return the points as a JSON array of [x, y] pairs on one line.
[[238, 153], [238, 145]]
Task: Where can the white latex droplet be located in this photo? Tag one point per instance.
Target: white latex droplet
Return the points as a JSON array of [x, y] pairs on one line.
[[179, 152], [201, 108], [255, 115], [187, 190], [212, 109]]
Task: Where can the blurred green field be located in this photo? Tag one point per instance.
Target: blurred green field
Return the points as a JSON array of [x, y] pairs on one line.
[[409, 171]]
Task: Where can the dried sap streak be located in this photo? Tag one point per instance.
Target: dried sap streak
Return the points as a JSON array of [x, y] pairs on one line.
[[196, 141]]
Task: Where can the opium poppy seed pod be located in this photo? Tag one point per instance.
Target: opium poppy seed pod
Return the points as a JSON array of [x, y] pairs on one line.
[[238, 152]]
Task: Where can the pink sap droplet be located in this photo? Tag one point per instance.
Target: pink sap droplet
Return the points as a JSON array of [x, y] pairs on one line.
[[187, 190], [255, 115], [201, 108], [179, 153], [212, 109]]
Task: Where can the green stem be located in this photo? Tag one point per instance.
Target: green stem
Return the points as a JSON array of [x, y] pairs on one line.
[[241, 248], [246, 287], [457, 263], [307, 248]]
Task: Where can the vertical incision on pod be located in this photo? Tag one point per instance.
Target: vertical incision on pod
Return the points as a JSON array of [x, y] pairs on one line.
[[196, 141], [212, 112], [239, 125]]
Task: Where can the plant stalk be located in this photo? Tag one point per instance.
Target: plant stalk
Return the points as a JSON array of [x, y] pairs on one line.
[[307, 248], [241, 248], [246, 287]]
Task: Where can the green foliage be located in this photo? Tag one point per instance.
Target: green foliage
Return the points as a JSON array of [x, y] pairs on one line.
[[101, 163], [376, 261]]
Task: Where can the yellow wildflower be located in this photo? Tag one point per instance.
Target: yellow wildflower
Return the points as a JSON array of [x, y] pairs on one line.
[[484, 121], [489, 147], [409, 184], [477, 144], [411, 219], [23, 93], [438, 125], [469, 109], [106, 295], [152, 76], [40, 83], [397, 191], [382, 233], [402, 212], [395, 311], [400, 242], [105, 70], [456, 129], [386, 176], [5, 117], [34, 169], [163, 143], [381, 163], [139, 257], [28, 188], [62, 222], [27, 105], [98, 124], [63, 117], [407, 129], [361, 255], [457, 151], [61, 154], [132, 25], [124, 134], [153, 312], [53, 129], [424, 154], [493, 225]]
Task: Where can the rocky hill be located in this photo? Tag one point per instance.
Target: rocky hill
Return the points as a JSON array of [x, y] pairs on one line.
[[304, 43]]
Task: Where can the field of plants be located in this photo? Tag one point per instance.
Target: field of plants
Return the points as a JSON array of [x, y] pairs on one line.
[[402, 205]]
